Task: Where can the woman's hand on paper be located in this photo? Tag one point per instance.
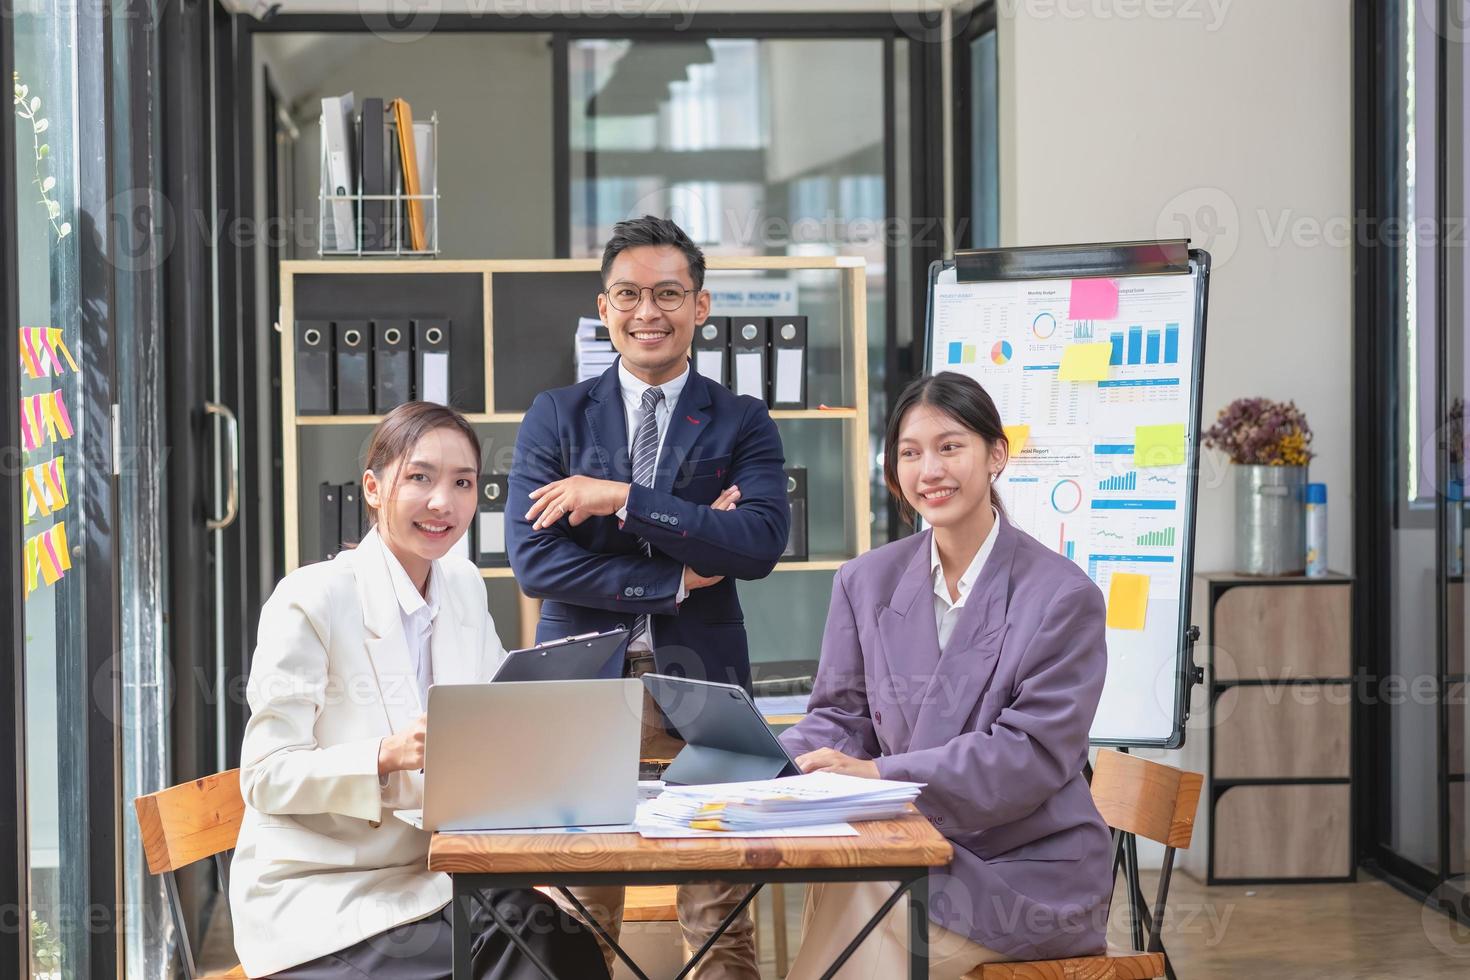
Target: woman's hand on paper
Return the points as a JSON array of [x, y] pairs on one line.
[[403, 750], [830, 760]]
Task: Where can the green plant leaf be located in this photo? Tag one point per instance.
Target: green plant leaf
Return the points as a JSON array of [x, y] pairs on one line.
[[64, 230], [41, 125], [44, 151], [47, 184], [36, 104]]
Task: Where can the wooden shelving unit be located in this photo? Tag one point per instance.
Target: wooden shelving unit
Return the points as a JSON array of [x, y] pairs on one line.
[[838, 339], [1276, 735]]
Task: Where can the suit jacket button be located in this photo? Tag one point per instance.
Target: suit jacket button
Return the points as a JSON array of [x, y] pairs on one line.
[[655, 515], [674, 521], [939, 820], [638, 591], [628, 591]]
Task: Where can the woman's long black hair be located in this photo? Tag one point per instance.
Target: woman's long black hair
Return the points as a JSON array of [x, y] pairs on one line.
[[962, 399]]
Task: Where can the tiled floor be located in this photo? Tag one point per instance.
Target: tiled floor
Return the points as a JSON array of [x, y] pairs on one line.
[[1362, 931]]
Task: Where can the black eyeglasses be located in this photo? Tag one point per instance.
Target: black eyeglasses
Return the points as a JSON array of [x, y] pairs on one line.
[[625, 296]]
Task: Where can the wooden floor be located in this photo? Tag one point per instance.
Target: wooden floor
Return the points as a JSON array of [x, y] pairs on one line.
[[1361, 931], [1342, 932]]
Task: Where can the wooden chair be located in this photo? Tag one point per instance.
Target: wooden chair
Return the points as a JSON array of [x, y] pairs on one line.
[[1136, 798], [187, 823]]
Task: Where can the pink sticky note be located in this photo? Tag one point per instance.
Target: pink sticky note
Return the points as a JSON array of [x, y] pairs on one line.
[[1094, 299]]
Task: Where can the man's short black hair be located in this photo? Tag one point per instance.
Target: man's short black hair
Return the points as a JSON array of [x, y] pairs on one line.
[[651, 230]]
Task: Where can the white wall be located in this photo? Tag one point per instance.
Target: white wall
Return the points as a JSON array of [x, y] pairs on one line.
[[1221, 129], [493, 96], [1226, 123]]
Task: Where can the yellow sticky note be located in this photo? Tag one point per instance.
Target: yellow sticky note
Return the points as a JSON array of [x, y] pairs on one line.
[[1158, 445], [1085, 362], [1127, 601], [1018, 435]]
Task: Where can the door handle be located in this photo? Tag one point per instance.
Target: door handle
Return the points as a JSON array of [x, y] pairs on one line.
[[232, 499]]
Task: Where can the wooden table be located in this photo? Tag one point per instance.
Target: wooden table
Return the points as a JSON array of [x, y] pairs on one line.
[[901, 850]]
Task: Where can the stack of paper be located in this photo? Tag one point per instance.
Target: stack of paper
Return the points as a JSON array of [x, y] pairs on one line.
[[793, 801], [595, 352]]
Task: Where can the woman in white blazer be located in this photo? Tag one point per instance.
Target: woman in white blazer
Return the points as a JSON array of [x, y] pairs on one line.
[[326, 882]]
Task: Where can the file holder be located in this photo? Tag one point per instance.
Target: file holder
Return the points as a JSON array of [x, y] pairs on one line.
[[726, 738], [393, 202], [788, 362], [490, 522], [350, 527], [314, 369], [712, 349], [329, 526], [354, 367], [431, 361], [750, 341], [796, 497], [392, 365]]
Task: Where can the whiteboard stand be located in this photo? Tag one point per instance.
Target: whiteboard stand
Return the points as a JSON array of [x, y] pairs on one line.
[[1005, 317]]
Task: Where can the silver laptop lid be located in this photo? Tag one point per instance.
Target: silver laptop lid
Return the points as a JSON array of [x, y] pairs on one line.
[[533, 754]]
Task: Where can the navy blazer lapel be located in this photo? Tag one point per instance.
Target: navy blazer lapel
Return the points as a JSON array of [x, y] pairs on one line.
[[608, 423], [687, 420], [969, 658], [908, 636]]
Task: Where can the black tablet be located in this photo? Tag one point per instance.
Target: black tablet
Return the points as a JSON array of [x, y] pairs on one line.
[[726, 738]]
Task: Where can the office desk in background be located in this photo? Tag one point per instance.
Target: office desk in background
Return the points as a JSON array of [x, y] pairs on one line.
[[902, 851]]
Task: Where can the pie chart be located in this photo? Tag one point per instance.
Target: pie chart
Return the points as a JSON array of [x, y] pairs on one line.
[[1066, 496], [1001, 352]]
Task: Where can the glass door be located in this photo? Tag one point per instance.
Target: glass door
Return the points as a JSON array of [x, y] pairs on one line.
[[64, 468]]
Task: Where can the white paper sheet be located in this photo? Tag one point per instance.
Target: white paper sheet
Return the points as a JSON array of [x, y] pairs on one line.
[[789, 373]]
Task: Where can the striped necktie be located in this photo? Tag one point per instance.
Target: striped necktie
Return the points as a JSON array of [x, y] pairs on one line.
[[645, 455]]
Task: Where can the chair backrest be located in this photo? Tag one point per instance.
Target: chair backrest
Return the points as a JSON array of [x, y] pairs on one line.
[[1146, 798], [190, 821]]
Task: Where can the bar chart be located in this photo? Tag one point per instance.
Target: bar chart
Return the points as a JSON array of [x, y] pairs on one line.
[[1162, 538], [1139, 346]]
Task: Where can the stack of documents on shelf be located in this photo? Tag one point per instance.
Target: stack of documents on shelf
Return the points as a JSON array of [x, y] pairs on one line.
[[777, 805], [595, 352]]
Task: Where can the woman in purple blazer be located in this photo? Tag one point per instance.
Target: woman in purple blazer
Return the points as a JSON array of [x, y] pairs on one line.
[[970, 658]]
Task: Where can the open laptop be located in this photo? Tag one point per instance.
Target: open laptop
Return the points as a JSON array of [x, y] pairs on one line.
[[532, 755], [575, 658]]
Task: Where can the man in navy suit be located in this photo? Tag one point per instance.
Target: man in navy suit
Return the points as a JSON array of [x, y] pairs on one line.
[[637, 499]]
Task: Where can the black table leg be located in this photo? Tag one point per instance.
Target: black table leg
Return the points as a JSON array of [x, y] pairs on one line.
[[919, 929], [459, 905], [868, 927]]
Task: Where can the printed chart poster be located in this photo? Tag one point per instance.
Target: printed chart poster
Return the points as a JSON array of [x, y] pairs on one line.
[[1102, 476]]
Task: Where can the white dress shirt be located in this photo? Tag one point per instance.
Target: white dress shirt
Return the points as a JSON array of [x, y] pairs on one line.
[[946, 613], [418, 620], [633, 389]]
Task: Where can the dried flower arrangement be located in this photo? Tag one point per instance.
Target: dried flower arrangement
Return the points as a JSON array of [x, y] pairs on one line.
[[1260, 432]]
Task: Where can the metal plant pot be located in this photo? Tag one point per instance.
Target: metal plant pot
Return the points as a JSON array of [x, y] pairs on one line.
[[1270, 528]]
